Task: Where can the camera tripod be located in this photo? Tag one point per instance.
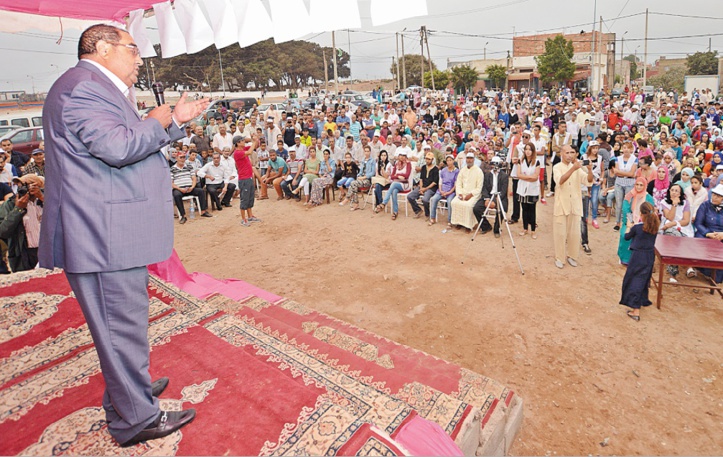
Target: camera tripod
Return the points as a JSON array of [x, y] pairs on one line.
[[495, 197]]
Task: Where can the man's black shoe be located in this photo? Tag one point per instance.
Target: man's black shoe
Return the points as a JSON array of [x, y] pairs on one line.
[[206, 214], [158, 386], [167, 423], [227, 205], [183, 220], [219, 208]]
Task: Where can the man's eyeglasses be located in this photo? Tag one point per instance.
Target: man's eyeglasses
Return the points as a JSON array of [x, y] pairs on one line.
[[134, 49], [525, 136]]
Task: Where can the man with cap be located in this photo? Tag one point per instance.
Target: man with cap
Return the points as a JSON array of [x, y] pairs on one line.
[[20, 218], [271, 131], [468, 188], [37, 165], [709, 223]]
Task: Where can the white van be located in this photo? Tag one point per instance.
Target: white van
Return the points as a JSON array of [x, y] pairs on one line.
[[22, 118]]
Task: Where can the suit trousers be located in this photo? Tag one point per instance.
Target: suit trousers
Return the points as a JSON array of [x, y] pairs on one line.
[[115, 306], [566, 235], [215, 189]]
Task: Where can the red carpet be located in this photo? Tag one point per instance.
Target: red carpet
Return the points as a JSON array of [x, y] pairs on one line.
[[266, 378]]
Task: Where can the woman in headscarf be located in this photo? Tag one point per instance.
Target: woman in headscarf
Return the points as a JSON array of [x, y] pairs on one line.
[[658, 187], [675, 220], [709, 223], [714, 162], [631, 215], [685, 175], [671, 163]]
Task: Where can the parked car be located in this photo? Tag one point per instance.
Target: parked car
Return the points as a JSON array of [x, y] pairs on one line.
[[22, 118], [5, 129], [240, 105], [311, 102], [649, 92], [26, 139]]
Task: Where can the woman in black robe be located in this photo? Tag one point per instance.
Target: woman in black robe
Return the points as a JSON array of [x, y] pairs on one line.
[[640, 268]]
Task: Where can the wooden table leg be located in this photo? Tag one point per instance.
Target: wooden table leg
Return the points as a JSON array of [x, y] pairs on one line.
[[660, 282]]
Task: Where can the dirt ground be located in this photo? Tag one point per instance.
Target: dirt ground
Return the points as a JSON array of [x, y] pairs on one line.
[[587, 373]]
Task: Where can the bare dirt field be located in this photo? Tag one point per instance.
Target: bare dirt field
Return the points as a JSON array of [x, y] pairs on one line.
[[588, 373]]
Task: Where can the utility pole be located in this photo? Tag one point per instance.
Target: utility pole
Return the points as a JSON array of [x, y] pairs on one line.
[[220, 63], [348, 40], [507, 79], [336, 72], [399, 76], [421, 51], [592, 54], [429, 57], [326, 72], [485, 52], [600, 75], [710, 40], [404, 63], [645, 58]]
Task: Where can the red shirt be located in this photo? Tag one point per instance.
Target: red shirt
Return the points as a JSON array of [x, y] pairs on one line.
[[243, 163]]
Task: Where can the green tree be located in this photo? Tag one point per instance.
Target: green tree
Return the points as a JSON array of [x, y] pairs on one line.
[[441, 79], [463, 78], [634, 73], [555, 64], [287, 65], [497, 75], [411, 63], [673, 79], [703, 63]]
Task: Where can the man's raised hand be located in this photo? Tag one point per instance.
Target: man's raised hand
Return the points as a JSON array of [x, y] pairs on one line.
[[185, 109]]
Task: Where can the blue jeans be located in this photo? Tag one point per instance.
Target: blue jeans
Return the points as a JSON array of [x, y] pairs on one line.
[[378, 188], [435, 201], [392, 194], [594, 197], [344, 182], [620, 193]]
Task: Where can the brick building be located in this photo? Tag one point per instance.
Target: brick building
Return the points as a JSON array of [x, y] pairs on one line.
[[526, 48]]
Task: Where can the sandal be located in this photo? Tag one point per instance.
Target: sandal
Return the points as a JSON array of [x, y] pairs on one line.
[[633, 316], [523, 233], [431, 222], [394, 216], [353, 207], [380, 207], [534, 236]]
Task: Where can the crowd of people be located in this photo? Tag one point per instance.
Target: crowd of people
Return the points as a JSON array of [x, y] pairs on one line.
[[600, 158]]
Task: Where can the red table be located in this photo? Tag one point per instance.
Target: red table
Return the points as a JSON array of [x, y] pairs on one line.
[[687, 252]]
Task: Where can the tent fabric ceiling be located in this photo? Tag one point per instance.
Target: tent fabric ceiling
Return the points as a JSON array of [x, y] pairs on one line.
[[79, 9], [186, 29]]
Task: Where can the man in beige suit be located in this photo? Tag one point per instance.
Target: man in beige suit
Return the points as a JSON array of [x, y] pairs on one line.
[[570, 176]]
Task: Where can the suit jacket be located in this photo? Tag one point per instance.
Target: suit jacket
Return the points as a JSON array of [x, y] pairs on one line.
[[502, 182], [108, 188]]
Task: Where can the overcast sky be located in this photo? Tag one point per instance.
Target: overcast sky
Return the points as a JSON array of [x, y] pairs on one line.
[[31, 56]]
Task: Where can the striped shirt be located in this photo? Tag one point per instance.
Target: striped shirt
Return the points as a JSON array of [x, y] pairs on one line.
[[181, 177]]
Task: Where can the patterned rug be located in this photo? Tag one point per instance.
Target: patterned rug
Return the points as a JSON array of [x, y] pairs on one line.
[[267, 378]]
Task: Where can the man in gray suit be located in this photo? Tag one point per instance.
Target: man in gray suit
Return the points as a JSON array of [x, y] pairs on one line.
[[109, 214]]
